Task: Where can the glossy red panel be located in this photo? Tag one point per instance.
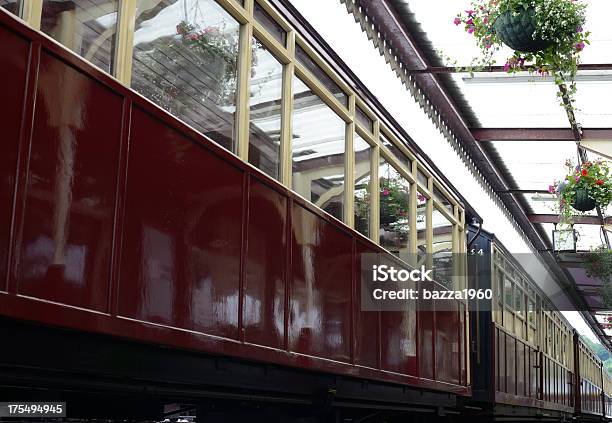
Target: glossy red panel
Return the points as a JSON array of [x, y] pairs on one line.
[[398, 337], [182, 232], [12, 85], [447, 344], [263, 314], [510, 365], [320, 293], [426, 340], [367, 333], [534, 373], [70, 197], [398, 342], [520, 369]]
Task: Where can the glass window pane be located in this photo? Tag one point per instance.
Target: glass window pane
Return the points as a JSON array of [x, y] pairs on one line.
[[265, 111], [186, 61], [394, 216], [508, 293], [363, 179], [421, 226], [500, 292], [386, 141], [422, 177], [442, 253], [320, 74], [270, 24], [442, 199], [87, 27], [518, 300], [531, 312], [364, 119], [12, 6], [317, 150]]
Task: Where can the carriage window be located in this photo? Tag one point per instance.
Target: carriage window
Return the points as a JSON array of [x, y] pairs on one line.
[[363, 180], [421, 226], [186, 61], [442, 199], [394, 216], [87, 27], [270, 24], [499, 287], [518, 300], [12, 6], [265, 111], [531, 315], [317, 150], [442, 248], [422, 177], [331, 85], [364, 119], [508, 293], [386, 141]]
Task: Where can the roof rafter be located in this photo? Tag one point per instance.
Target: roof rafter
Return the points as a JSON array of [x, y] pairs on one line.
[[579, 219], [539, 134], [495, 69]]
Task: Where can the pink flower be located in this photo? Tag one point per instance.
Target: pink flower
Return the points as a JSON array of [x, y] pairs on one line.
[[507, 67], [469, 22], [385, 192], [457, 21], [577, 178], [470, 30], [486, 19], [551, 189], [580, 46], [470, 12]]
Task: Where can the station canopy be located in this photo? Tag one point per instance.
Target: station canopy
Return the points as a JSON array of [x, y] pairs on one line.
[[513, 125]]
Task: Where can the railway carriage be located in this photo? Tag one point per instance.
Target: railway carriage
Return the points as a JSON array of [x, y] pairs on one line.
[[528, 360], [157, 248]]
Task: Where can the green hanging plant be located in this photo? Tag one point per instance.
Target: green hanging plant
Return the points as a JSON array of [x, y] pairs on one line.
[[598, 264]]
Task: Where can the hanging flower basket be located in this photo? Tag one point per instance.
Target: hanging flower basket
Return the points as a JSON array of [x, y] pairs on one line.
[[582, 201], [517, 29], [585, 187], [547, 37]]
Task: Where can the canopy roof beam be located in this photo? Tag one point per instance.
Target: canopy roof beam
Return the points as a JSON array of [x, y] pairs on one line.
[[539, 134], [495, 69], [579, 219]]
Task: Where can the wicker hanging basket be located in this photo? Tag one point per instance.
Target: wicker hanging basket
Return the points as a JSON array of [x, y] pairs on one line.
[[516, 30], [582, 201]]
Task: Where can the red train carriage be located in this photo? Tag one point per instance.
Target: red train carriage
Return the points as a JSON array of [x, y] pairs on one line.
[[125, 223]]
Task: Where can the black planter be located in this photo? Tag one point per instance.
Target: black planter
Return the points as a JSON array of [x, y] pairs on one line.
[[582, 201], [516, 31]]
